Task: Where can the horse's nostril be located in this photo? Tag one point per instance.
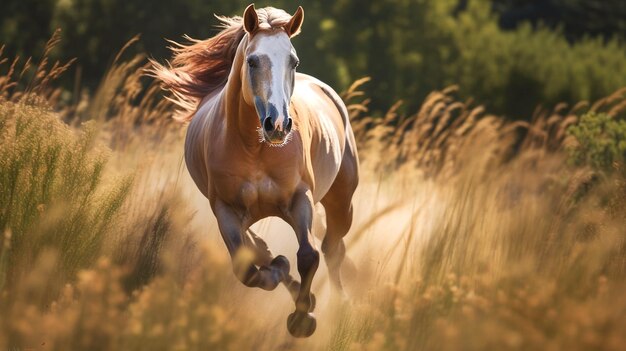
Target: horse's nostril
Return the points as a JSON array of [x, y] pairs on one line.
[[289, 123], [268, 125]]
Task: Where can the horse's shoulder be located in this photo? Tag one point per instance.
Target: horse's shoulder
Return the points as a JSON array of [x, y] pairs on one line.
[[305, 81], [310, 90], [309, 82]]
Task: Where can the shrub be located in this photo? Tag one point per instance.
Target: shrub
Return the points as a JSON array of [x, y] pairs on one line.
[[601, 141], [51, 191]]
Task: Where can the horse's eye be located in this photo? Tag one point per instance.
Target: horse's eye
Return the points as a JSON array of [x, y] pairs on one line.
[[294, 62], [252, 62]]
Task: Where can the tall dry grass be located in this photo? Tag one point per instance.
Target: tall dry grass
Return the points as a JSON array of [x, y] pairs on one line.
[[471, 232]]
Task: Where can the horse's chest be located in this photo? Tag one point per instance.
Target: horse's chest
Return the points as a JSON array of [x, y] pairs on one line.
[[264, 190], [258, 195]]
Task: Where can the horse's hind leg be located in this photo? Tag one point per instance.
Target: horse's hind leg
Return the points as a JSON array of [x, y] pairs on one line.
[[339, 220], [269, 275], [338, 206]]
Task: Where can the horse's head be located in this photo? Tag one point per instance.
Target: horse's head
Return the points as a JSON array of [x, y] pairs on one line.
[[268, 72]]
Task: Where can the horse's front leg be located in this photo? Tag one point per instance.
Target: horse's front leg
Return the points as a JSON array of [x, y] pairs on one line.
[[264, 258], [231, 228], [301, 323]]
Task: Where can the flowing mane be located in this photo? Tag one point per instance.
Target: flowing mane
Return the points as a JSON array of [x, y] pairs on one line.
[[202, 66]]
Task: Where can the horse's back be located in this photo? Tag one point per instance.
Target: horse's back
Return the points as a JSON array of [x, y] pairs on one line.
[[323, 117]]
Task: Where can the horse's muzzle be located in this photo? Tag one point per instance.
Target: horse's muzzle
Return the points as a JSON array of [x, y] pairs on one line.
[[273, 133]]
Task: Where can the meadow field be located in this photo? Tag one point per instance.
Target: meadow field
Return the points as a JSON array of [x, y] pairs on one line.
[[471, 232]]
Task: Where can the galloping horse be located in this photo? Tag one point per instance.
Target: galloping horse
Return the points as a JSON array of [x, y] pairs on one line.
[[266, 141]]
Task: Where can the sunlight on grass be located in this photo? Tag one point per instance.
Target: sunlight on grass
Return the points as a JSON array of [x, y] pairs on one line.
[[470, 233]]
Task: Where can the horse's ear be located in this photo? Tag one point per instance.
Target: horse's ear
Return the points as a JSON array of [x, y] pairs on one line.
[[250, 19], [293, 27]]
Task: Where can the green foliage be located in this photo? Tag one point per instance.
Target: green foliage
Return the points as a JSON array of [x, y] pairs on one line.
[[25, 26], [601, 141], [578, 18], [408, 47], [513, 71], [102, 27], [51, 191]]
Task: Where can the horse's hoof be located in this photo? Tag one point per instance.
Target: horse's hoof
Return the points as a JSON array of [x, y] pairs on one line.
[[282, 264], [301, 325]]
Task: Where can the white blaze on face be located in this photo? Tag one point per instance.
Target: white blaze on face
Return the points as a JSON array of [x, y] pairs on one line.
[[276, 47]]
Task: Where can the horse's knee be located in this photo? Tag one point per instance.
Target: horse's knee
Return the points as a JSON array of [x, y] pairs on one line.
[[266, 277], [249, 278], [263, 278]]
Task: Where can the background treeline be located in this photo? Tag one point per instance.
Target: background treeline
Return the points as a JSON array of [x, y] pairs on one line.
[[508, 54]]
